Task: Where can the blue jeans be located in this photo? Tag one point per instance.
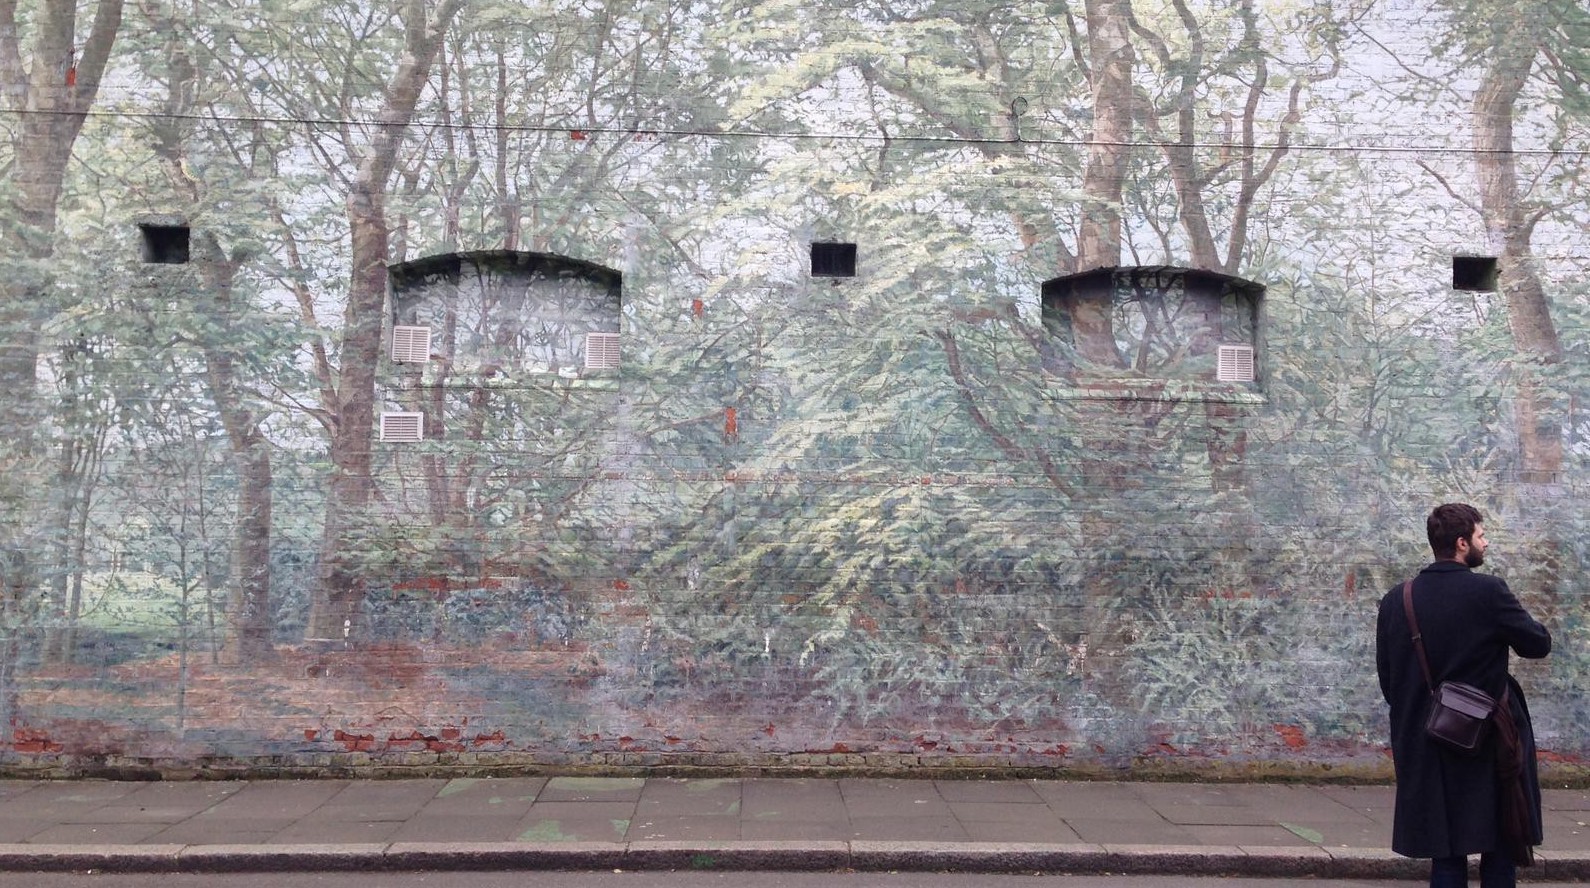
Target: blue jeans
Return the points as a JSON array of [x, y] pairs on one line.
[[1496, 871]]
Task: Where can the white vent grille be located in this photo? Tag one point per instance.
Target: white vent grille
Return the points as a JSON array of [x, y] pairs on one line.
[[411, 344], [402, 428], [601, 351], [1235, 363]]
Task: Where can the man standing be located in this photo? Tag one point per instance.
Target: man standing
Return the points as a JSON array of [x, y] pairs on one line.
[[1450, 805]]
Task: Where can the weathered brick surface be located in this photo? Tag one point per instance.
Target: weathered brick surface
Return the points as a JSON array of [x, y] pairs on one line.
[[924, 519]]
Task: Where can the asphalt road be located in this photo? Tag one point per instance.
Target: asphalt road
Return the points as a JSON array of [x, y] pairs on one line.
[[542, 879]]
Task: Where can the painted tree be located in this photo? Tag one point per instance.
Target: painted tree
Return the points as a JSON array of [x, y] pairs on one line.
[[1509, 61], [221, 318], [51, 65], [349, 409]]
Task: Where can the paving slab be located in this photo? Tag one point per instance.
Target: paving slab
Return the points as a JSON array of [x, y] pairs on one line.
[[1262, 835], [685, 828], [76, 791], [19, 829], [570, 829], [1337, 834], [797, 830], [337, 832], [275, 799], [1370, 801], [588, 789], [942, 828], [466, 828], [1565, 799], [792, 800], [994, 812], [893, 798], [1286, 803], [123, 813], [507, 796], [380, 800], [1046, 831], [582, 811], [60, 801], [662, 798], [386, 792], [1001, 792], [9, 788], [158, 803], [219, 832], [1104, 801], [95, 834], [1211, 815], [1147, 831]]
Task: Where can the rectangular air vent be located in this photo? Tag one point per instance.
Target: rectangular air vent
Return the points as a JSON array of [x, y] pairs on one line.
[[411, 344], [1235, 363], [402, 428], [164, 244], [833, 260], [601, 351]]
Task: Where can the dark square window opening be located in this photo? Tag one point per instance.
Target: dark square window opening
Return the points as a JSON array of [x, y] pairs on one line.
[[164, 244], [833, 260], [1474, 273]]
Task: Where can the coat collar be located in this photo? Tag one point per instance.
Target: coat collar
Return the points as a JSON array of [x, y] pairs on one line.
[[1446, 567]]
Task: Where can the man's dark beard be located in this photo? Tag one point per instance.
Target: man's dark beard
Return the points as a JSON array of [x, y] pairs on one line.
[[1474, 558]]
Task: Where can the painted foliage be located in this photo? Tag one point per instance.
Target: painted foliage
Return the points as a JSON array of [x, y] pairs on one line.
[[493, 383]]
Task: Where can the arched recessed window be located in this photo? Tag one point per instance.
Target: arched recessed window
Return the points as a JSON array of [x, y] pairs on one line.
[[499, 311], [1156, 322]]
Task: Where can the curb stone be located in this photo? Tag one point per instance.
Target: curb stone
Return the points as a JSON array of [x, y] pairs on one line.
[[729, 856]]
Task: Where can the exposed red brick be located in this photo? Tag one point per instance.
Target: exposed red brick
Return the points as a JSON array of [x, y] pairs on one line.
[[1292, 736]]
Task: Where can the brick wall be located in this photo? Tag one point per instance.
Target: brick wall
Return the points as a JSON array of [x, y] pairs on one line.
[[943, 512]]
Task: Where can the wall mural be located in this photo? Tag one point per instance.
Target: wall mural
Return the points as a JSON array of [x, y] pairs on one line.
[[481, 401]]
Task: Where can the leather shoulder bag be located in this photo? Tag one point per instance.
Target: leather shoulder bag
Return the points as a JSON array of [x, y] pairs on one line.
[[1460, 714]]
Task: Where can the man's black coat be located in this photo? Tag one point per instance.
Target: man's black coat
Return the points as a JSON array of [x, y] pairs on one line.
[[1446, 802]]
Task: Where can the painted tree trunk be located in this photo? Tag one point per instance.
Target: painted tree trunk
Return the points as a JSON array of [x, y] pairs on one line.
[[1538, 415], [337, 598]]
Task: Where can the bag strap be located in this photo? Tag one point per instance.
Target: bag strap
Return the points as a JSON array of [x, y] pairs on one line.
[[1418, 637]]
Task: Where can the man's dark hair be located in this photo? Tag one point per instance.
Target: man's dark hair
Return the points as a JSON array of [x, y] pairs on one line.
[[1447, 524]]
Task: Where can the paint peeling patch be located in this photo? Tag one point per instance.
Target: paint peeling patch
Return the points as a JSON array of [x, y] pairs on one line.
[[354, 742], [1561, 758], [495, 738], [1292, 736], [29, 741]]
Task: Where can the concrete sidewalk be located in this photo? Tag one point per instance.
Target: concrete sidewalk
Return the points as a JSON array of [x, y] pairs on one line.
[[750, 823]]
